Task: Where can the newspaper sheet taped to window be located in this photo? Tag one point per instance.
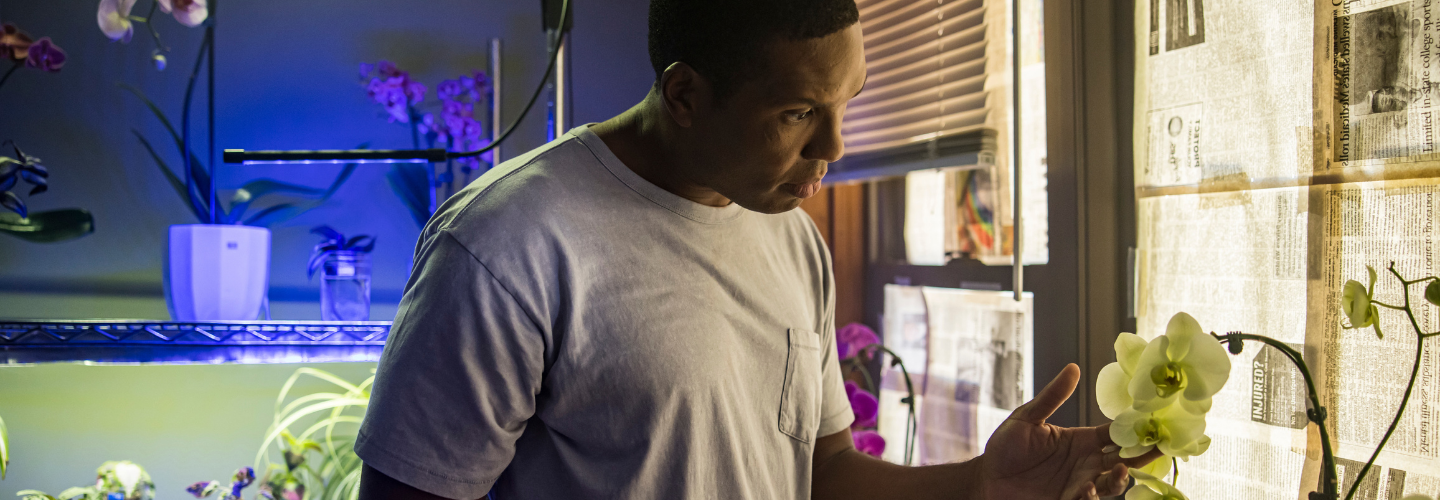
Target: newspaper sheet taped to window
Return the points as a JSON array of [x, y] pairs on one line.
[[1223, 91], [971, 359]]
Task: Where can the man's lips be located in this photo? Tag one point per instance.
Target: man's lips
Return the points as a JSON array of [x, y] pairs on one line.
[[803, 191]]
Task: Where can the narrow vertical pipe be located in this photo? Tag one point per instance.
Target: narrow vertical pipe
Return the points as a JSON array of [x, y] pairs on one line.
[[560, 68], [210, 84], [1018, 238], [495, 122]]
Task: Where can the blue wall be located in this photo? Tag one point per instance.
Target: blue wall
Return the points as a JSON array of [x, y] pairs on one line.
[[286, 78]]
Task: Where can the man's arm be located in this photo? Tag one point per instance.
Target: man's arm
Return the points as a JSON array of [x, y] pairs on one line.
[[843, 472], [1026, 458], [375, 484]]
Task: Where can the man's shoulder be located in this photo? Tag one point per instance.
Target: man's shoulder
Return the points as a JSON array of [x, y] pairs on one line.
[[525, 193]]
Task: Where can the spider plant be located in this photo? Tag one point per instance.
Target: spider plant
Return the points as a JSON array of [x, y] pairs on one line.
[[4, 448], [327, 422]]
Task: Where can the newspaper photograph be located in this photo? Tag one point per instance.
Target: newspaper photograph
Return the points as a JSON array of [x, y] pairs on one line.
[[1385, 72]]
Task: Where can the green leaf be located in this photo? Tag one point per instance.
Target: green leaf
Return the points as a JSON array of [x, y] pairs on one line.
[[309, 410], [256, 189], [196, 204], [48, 227], [202, 177], [273, 214], [34, 495], [411, 182], [4, 448]]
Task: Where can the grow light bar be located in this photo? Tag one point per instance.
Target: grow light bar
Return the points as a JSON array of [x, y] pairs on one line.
[[434, 155]]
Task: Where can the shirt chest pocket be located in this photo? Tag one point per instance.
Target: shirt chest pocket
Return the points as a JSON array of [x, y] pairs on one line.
[[800, 397]]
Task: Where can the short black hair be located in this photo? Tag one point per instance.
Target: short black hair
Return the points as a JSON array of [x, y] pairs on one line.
[[724, 40]]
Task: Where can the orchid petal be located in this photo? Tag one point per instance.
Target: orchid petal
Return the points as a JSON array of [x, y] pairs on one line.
[[114, 19], [1181, 331], [1142, 492], [1135, 451], [1155, 471], [1128, 347], [1199, 407], [1112, 390], [1207, 368], [1122, 430]]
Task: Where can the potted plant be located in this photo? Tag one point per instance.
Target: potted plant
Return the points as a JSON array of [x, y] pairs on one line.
[[345, 276], [116, 480], [217, 269], [18, 221]]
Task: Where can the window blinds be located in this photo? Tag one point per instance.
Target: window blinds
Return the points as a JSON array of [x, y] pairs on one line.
[[937, 71], [938, 95]]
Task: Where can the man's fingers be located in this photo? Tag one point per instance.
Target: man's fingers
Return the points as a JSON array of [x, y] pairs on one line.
[[1102, 434], [1113, 482], [1145, 459], [1050, 398]]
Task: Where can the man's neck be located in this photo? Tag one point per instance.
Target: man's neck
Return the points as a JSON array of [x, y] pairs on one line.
[[644, 142]]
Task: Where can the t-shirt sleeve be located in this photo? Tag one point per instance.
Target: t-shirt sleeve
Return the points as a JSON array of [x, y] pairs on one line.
[[457, 380]]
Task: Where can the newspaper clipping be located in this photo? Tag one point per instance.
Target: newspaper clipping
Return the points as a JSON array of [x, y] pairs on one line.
[[978, 368]]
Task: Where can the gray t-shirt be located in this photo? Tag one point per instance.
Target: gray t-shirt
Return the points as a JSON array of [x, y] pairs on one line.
[[571, 330]]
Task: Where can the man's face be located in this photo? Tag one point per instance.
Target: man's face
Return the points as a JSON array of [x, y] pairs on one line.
[[768, 145]]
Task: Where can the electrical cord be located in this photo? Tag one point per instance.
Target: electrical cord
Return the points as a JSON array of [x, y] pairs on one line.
[[549, 69]]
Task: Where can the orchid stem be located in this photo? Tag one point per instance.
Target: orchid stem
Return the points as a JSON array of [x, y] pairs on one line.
[[151, 26], [1404, 400], [3, 79], [911, 425], [1175, 468], [1329, 484], [1388, 306]]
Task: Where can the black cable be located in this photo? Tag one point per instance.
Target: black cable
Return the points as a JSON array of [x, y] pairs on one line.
[[549, 69]]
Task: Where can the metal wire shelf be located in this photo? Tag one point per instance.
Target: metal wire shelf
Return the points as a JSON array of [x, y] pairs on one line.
[[132, 341]]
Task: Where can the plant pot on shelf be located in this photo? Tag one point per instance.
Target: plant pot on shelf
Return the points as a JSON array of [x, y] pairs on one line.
[[345, 286], [216, 272]]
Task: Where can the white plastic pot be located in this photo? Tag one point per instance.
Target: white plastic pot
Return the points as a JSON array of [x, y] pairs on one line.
[[216, 272]]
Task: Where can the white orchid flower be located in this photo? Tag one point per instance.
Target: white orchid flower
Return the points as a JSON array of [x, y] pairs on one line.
[[128, 475], [1112, 388], [189, 12], [1176, 432], [1355, 302], [1185, 365], [1155, 491], [114, 18]]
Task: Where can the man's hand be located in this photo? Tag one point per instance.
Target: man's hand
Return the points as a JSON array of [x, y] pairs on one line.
[[1027, 458]]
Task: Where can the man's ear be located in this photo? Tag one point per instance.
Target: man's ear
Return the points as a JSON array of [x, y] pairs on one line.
[[683, 90]]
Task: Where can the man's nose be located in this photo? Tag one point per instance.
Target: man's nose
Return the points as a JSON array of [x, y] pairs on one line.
[[826, 145]]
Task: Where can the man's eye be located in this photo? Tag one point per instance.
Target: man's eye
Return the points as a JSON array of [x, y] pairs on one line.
[[800, 115]]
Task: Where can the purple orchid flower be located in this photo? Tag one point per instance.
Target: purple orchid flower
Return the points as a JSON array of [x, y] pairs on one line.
[[243, 478], [869, 443], [45, 55], [864, 404], [853, 338]]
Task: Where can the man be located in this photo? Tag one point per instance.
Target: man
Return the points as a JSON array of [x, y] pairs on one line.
[[636, 310]]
